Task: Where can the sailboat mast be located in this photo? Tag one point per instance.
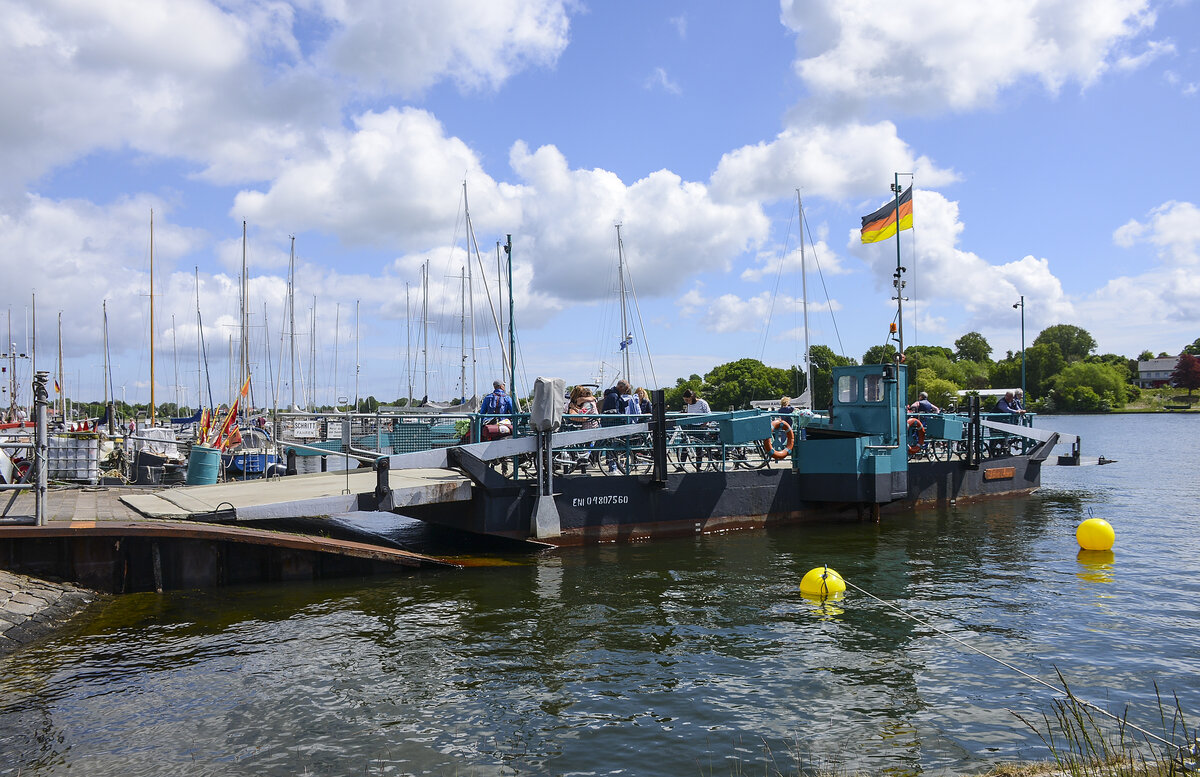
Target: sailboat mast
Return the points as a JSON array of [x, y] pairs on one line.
[[311, 395], [244, 362], [175, 359], [292, 315], [199, 334], [462, 333], [270, 368], [425, 324], [104, 309], [201, 352], [408, 361], [512, 333], [62, 402], [357, 363], [804, 292], [337, 323], [471, 291], [625, 333], [12, 371], [229, 371], [152, 406]]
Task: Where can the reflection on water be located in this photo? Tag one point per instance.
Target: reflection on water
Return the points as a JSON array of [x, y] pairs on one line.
[[1096, 565], [682, 657]]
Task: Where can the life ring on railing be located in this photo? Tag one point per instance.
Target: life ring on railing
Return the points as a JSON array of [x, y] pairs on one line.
[[782, 453], [915, 427]]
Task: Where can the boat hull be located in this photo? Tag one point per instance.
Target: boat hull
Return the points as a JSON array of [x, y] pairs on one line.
[[630, 508]]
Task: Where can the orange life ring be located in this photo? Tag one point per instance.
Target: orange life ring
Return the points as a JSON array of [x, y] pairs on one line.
[[782, 453], [920, 434]]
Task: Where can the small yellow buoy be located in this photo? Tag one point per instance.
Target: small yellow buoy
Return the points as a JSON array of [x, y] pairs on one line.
[[1095, 534], [822, 581]]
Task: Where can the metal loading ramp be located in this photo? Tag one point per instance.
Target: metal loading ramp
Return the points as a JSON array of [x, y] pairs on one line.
[[305, 496]]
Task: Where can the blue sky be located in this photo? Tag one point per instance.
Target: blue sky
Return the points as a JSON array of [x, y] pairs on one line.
[[1052, 146]]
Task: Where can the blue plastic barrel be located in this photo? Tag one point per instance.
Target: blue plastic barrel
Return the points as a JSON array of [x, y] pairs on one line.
[[203, 465]]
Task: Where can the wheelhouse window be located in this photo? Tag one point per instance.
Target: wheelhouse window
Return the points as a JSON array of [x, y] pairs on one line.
[[847, 389], [874, 388]]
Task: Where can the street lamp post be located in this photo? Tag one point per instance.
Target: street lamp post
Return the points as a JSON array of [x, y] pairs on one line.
[[1021, 305]]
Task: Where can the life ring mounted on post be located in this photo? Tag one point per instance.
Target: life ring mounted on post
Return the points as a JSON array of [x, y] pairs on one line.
[[915, 427], [769, 443]]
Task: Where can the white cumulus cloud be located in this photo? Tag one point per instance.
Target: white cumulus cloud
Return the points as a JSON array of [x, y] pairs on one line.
[[934, 56], [406, 46]]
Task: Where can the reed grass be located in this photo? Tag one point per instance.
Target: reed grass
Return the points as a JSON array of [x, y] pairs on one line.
[[1084, 742]]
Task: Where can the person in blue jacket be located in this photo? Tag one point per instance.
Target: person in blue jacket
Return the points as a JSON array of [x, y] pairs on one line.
[[497, 403]]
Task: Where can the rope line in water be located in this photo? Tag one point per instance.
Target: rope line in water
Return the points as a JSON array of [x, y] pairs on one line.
[[1065, 692]]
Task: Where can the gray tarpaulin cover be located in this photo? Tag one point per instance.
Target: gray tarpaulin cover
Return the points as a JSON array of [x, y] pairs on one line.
[[545, 413]]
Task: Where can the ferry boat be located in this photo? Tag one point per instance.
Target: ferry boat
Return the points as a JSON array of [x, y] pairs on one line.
[[678, 474]]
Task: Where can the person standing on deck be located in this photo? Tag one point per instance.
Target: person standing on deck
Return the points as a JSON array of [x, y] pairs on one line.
[[616, 398], [497, 403], [923, 405], [692, 403], [1008, 404]]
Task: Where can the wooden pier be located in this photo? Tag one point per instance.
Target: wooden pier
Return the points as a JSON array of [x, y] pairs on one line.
[[93, 538]]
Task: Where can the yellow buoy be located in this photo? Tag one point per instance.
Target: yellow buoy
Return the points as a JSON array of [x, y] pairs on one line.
[[1095, 534], [822, 581]]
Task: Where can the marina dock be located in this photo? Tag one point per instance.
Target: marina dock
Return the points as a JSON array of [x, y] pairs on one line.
[[94, 538]]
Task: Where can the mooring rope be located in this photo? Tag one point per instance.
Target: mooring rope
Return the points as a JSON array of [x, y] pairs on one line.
[[1063, 691]]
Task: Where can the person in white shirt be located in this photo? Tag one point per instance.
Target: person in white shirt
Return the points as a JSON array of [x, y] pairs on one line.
[[693, 403]]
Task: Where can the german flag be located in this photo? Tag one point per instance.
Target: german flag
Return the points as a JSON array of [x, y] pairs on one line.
[[881, 224]]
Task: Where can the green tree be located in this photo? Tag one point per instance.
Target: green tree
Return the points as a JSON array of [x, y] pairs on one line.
[[823, 362], [1073, 342], [879, 354], [1080, 399], [974, 375], [1194, 348], [735, 384], [1187, 373], [941, 392], [1127, 367], [1006, 373], [1104, 381], [1145, 356], [673, 396], [972, 347], [1043, 361]]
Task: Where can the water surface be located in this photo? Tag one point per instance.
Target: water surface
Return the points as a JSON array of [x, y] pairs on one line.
[[689, 657]]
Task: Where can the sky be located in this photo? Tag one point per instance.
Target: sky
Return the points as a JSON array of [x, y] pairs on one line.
[[1050, 143]]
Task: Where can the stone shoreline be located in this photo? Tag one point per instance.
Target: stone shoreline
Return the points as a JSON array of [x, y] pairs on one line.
[[31, 608]]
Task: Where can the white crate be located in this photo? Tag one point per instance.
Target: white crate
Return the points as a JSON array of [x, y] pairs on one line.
[[74, 458]]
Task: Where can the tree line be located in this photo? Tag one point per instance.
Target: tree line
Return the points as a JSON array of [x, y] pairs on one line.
[[1062, 373]]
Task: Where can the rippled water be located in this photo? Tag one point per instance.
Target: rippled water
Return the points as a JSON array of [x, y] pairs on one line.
[[693, 657]]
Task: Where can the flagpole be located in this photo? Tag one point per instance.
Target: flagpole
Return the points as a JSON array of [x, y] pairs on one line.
[[896, 281]]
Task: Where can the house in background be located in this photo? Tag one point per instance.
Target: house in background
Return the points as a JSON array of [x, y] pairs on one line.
[[1155, 373]]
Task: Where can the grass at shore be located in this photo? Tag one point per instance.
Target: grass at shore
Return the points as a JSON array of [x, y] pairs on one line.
[[1162, 400]]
